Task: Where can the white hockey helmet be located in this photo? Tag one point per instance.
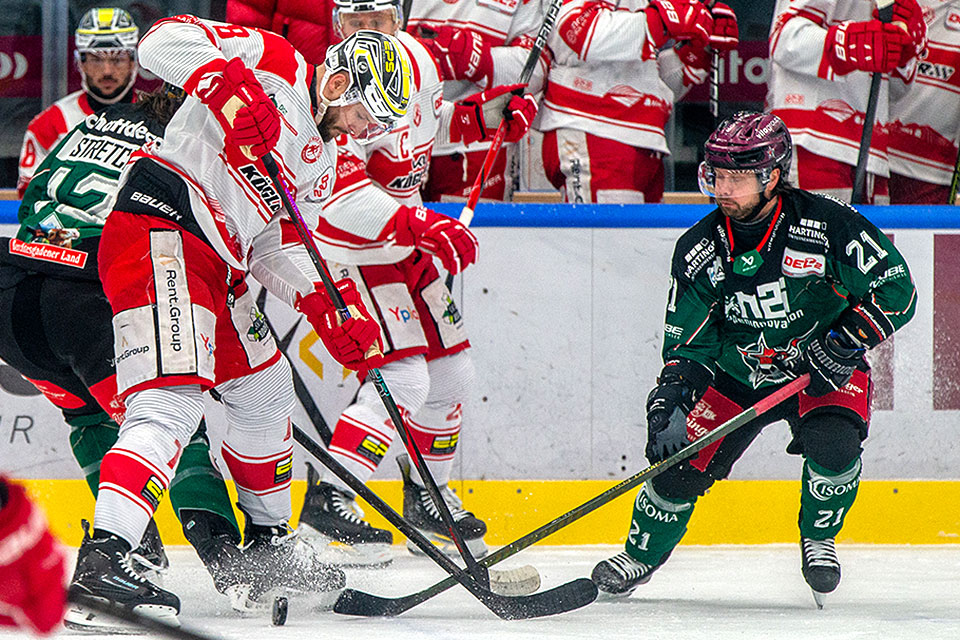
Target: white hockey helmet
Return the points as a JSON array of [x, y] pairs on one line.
[[380, 77], [107, 29], [365, 6]]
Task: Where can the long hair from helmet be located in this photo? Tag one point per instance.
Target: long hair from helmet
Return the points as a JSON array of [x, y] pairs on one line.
[[380, 77], [365, 6], [107, 30]]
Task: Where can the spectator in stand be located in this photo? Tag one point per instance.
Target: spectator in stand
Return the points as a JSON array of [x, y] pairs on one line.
[[925, 115], [106, 56], [612, 86], [32, 565], [478, 45], [823, 53], [306, 24]]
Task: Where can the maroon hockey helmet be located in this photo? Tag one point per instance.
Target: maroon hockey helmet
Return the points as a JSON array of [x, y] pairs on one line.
[[748, 141]]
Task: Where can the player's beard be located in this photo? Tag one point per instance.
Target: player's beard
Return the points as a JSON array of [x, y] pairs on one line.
[[326, 127], [123, 87], [743, 213]]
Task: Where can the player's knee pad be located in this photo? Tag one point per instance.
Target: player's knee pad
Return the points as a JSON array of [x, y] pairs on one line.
[[263, 398], [682, 483], [830, 438], [408, 380], [451, 379]]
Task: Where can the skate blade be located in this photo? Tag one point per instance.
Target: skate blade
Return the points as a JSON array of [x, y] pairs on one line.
[[358, 556], [81, 618], [477, 547], [819, 598]]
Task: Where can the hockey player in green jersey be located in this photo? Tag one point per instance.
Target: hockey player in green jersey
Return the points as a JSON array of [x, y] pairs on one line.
[[55, 321], [774, 283]]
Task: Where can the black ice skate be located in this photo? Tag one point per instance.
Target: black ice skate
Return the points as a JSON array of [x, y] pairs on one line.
[[104, 572], [422, 513], [150, 559], [217, 545], [279, 563], [332, 519], [821, 567], [621, 574]]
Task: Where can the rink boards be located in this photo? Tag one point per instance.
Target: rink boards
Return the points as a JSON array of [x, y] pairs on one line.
[[564, 311]]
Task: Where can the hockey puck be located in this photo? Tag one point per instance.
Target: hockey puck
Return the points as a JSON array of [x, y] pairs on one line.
[[279, 611]]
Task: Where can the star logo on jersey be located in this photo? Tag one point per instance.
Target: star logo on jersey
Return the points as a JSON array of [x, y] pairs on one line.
[[762, 359]]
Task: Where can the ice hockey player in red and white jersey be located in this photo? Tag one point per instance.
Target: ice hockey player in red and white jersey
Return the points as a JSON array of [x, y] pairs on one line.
[[425, 363], [612, 86], [925, 114], [32, 565], [192, 218], [478, 44], [106, 41], [823, 53]]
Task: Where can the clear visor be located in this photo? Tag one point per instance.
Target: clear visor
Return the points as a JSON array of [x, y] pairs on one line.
[[718, 182]]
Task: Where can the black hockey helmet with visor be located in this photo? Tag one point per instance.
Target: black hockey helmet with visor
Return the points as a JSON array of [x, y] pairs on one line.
[[745, 145]]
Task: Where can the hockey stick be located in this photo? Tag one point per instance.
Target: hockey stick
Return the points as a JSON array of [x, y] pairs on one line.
[[859, 196], [466, 215], [478, 571], [117, 612], [363, 604], [566, 597], [714, 79], [407, 5], [955, 182]]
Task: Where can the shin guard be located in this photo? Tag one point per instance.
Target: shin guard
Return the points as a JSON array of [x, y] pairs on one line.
[[826, 498], [436, 434]]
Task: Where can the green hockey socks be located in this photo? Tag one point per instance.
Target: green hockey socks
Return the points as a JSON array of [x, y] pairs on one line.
[[825, 499], [657, 526]]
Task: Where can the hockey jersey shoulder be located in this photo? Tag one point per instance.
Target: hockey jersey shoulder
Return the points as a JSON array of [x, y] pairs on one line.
[[697, 248]]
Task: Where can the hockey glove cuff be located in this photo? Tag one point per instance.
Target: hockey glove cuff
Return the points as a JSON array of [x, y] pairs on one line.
[[831, 361], [865, 325]]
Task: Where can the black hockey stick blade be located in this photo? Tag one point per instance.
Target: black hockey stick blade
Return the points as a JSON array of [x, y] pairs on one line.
[[567, 597], [557, 600], [364, 604]]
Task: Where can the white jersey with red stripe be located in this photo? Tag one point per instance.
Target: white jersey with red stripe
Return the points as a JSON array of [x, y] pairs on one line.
[[823, 110], [374, 180], [925, 115], [607, 80], [234, 201], [508, 26], [46, 129]]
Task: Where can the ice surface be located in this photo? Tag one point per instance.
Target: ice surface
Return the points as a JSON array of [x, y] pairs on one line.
[[719, 592]]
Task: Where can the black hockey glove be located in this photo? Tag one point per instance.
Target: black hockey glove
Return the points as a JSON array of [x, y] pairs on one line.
[[681, 384], [831, 361]]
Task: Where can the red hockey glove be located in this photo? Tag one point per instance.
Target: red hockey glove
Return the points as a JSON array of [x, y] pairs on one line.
[[908, 15], [678, 20], [461, 54], [871, 46], [438, 235], [32, 569], [726, 34], [696, 61], [248, 116], [477, 117], [354, 343]]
